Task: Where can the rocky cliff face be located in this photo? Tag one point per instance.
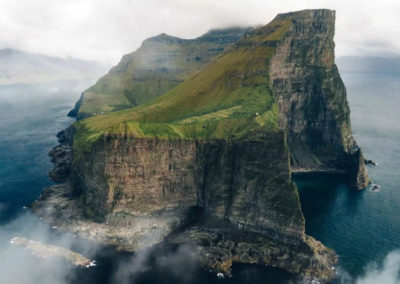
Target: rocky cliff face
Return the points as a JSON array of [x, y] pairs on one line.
[[232, 182], [232, 201], [216, 174], [312, 99]]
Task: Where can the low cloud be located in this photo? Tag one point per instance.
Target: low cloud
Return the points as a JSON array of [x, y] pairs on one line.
[[105, 30], [176, 264], [387, 273], [19, 266]]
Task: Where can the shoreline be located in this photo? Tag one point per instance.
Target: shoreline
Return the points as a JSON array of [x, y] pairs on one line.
[[316, 171]]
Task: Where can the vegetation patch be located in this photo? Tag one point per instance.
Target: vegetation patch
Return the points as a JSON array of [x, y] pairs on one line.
[[227, 99]]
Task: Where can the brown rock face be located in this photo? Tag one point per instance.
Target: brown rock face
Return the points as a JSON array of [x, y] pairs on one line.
[[312, 99], [233, 181], [232, 200]]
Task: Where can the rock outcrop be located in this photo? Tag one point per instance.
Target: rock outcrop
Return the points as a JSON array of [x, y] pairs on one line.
[[48, 251], [61, 156], [209, 163]]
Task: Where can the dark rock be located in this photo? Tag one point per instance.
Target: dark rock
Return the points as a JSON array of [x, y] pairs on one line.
[[375, 187], [370, 163], [74, 112], [357, 172], [61, 157]]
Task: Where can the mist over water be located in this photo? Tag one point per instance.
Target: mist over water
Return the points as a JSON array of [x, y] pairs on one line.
[[30, 116], [362, 227]]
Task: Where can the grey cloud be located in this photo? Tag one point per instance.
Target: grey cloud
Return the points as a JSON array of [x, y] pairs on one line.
[[104, 30]]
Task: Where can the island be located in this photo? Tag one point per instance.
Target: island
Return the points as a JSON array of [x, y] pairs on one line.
[[208, 161]]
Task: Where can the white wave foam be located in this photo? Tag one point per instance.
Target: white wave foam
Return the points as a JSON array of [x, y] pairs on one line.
[[91, 264]]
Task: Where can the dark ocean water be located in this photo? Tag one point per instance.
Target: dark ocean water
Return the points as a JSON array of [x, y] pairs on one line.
[[362, 227]]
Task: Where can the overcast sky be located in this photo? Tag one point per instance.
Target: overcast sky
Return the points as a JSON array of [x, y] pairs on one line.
[[104, 30]]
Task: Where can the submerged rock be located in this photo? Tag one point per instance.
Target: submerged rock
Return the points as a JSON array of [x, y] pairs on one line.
[[371, 163], [375, 187]]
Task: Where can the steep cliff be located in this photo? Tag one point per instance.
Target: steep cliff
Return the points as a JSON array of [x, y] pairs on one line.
[[161, 63], [312, 99], [232, 181], [209, 162], [233, 201]]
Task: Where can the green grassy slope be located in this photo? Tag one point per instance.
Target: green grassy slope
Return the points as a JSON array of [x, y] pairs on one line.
[[161, 63], [229, 98]]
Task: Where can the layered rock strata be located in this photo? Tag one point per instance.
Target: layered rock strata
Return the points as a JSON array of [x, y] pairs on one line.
[[312, 99], [234, 201]]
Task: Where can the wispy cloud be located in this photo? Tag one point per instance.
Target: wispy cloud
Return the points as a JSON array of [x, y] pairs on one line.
[[19, 266], [176, 264], [387, 273]]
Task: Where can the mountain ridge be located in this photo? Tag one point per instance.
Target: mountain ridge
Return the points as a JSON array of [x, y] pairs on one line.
[[158, 65]]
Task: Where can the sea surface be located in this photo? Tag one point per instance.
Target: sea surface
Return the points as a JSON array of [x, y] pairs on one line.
[[362, 227]]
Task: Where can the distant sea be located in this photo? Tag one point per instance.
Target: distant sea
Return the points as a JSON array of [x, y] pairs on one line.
[[362, 227]]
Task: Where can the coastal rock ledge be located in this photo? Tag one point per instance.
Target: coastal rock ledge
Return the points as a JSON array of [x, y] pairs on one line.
[[231, 198]]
